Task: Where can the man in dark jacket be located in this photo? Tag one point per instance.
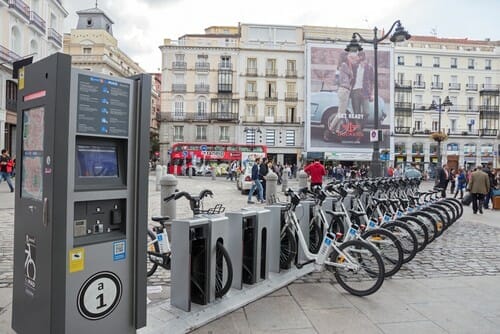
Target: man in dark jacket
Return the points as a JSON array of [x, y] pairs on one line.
[[442, 178], [493, 184], [263, 170], [256, 183]]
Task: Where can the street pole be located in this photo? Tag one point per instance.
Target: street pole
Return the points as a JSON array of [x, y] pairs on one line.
[[375, 165], [440, 160]]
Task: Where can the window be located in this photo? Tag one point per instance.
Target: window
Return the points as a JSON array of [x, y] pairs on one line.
[[470, 103], [435, 125], [470, 63], [270, 137], [202, 106], [400, 78], [178, 78], [179, 106], [290, 138], [488, 82], [89, 22], [271, 67], [419, 99], [251, 110], [87, 51], [291, 115], [291, 92], [291, 68], [224, 133], [453, 125], [470, 80], [435, 78], [202, 58], [419, 79], [252, 66], [179, 57], [34, 49], [15, 40], [400, 122], [251, 89], [454, 79], [271, 90], [202, 79], [178, 133], [453, 62], [418, 61], [401, 60], [201, 132], [270, 111], [487, 64], [250, 136], [435, 62], [225, 62], [418, 125]]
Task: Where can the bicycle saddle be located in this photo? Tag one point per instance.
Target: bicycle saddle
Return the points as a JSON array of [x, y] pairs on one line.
[[160, 219]]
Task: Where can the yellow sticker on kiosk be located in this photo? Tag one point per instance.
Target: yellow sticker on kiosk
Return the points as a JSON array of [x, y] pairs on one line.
[[76, 260], [21, 79]]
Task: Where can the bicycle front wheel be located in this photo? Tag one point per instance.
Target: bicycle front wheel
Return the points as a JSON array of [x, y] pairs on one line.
[[315, 235], [389, 248], [223, 271], [367, 273]]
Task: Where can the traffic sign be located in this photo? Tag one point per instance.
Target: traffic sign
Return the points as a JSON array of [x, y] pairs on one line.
[[373, 135], [184, 153], [203, 148]]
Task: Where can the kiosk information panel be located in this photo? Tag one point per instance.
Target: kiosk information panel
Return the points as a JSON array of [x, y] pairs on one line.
[[81, 200]]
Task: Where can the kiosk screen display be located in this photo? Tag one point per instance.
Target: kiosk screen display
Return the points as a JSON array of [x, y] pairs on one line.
[[97, 161], [32, 154]]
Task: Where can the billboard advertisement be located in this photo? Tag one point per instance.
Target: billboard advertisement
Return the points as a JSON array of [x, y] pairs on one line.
[[340, 99]]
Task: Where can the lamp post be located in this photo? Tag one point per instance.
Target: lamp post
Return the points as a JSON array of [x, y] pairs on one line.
[[400, 35], [439, 137]]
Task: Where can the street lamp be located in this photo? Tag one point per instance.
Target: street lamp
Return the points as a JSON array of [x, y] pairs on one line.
[[400, 35], [439, 136]]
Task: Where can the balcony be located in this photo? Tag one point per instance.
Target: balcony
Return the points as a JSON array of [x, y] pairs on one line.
[[201, 137], [402, 105], [419, 84], [224, 138], [454, 86], [54, 36], [202, 66], [402, 84], [251, 96], [490, 88], [272, 98], [271, 72], [224, 116], [225, 88], [402, 130], [488, 68], [420, 106], [291, 96], [178, 88], [20, 8], [422, 132], [471, 87], [435, 65], [463, 133], [418, 64], [489, 109], [185, 116], [201, 88], [251, 71], [7, 56], [37, 22], [291, 73], [462, 108], [488, 132], [436, 85], [179, 66]]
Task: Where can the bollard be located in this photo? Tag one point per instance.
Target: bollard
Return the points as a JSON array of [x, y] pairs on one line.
[[213, 173], [190, 172], [158, 171], [303, 179], [284, 182], [168, 186], [164, 170], [271, 187]]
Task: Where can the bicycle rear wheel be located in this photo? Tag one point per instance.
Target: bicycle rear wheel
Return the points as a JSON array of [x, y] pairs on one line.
[[315, 235], [368, 277], [153, 248], [389, 248], [406, 237], [223, 271]]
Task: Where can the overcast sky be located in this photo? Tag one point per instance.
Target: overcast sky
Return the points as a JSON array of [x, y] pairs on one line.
[[141, 25]]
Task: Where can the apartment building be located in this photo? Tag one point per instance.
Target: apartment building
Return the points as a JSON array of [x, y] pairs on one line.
[[239, 84], [428, 69], [28, 28]]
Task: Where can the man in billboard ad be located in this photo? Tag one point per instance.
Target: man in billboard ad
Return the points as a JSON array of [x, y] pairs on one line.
[[340, 93]]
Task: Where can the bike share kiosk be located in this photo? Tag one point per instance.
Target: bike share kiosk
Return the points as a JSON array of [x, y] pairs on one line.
[[81, 200]]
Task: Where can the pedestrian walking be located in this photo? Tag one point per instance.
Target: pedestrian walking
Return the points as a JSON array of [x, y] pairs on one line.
[[461, 183], [442, 179], [256, 184], [452, 181], [479, 185], [6, 165], [493, 183]]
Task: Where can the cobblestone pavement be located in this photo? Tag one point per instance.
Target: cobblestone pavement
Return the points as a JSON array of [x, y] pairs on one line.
[[471, 247]]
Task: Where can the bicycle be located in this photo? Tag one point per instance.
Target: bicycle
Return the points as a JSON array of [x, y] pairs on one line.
[[355, 263], [159, 252]]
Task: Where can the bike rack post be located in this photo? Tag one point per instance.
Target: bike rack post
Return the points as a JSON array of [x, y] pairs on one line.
[[277, 220], [303, 214], [219, 229], [190, 257], [250, 248]]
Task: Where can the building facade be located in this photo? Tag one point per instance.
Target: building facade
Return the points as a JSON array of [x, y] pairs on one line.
[[237, 85], [430, 69], [31, 28]]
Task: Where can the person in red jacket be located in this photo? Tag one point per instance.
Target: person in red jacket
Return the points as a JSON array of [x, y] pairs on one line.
[[316, 171]]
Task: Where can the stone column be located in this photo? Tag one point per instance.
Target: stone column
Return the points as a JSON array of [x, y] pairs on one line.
[[302, 179], [168, 186], [158, 171], [271, 187]]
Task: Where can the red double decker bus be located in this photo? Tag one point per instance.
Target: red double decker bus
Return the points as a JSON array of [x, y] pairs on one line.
[[203, 159]]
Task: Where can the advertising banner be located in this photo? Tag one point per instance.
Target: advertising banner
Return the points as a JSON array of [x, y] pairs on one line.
[[340, 99]]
